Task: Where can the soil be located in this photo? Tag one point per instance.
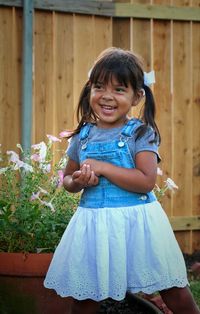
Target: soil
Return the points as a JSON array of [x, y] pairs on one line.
[[112, 307]]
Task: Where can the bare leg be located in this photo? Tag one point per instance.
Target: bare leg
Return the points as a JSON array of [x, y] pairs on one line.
[[180, 300], [84, 307]]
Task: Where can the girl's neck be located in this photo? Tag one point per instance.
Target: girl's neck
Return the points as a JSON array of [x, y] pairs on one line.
[[101, 125]]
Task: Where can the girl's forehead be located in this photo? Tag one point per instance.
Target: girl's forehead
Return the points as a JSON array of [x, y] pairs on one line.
[[111, 77]]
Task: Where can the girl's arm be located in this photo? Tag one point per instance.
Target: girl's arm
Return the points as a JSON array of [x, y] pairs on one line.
[[76, 179], [140, 179]]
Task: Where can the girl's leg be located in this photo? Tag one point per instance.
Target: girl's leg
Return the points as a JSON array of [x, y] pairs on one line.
[[179, 301], [84, 307]]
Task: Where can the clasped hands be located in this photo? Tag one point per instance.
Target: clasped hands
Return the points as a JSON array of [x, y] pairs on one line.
[[88, 173]]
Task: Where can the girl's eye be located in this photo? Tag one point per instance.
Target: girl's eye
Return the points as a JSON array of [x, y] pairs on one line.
[[98, 86], [120, 89]]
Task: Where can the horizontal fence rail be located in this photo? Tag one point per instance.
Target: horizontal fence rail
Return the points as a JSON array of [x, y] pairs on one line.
[[107, 8]]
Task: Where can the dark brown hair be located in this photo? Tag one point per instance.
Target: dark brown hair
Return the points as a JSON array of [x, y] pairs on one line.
[[126, 68]]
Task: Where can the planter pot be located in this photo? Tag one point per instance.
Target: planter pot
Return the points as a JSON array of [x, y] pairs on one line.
[[20, 264], [21, 286]]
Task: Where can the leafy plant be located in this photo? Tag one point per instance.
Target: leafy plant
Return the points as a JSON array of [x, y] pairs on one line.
[[34, 207]]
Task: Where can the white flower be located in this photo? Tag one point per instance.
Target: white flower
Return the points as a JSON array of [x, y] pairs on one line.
[[42, 148], [159, 172], [170, 184], [14, 157], [46, 168], [3, 170], [27, 167]]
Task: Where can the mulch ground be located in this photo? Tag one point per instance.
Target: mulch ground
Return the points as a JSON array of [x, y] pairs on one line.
[[112, 307]]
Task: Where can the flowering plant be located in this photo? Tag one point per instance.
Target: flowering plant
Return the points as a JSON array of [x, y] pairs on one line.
[[169, 184], [34, 207]]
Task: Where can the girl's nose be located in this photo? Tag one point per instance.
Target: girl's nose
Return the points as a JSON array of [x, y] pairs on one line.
[[107, 95]]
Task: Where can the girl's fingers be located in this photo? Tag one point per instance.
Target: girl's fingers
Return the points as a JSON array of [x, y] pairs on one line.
[[85, 176], [93, 179]]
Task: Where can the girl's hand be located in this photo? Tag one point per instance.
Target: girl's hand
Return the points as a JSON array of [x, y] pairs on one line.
[[85, 176], [76, 179], [95, 165]]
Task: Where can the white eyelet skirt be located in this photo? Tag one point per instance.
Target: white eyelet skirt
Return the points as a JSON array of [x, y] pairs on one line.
[[105, 252]]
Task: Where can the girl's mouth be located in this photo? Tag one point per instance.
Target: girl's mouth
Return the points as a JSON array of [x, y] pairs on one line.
[[107, 108]]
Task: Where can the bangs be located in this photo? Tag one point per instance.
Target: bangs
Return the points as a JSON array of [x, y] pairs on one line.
[[108, 70]]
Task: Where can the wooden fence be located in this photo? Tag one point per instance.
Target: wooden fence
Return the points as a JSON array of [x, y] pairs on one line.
[[66, 40]]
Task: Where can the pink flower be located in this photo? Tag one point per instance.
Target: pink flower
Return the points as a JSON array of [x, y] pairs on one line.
[[65, 133], [61, 177], [53, 138], [35, 157]]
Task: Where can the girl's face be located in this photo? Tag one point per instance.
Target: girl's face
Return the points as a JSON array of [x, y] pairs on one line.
[[112, 102]]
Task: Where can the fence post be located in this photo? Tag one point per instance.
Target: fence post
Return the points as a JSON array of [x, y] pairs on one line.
[[26, 113]]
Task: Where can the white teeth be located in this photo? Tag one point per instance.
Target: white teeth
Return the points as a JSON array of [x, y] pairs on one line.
[[108, 107]]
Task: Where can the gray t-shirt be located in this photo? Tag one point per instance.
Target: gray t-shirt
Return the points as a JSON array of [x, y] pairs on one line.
[[104, 135]]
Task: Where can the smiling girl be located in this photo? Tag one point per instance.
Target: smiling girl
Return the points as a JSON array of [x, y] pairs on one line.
[[119, 238]]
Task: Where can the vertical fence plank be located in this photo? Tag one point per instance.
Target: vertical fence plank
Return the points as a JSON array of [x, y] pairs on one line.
[[83, 52], [63, 70], [10, 79], [102, 34], [195, 125], [163, 70], [121, 30], [140, 43], [182, 144], [44, 115], [63, 75], [162, 67], [121, 33]]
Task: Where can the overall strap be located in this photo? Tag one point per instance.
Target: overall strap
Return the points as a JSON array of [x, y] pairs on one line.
[[85, 130], [130, 127]]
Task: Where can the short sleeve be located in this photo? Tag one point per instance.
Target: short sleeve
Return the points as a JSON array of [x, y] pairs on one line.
[[73, 148], [147, 143]]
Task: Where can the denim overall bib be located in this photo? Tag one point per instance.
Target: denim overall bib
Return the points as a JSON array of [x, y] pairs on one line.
[[107, 194]]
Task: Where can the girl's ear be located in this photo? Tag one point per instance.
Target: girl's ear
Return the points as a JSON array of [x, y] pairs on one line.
[[138, 96]]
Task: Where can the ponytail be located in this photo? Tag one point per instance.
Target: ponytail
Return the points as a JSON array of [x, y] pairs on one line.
[[149, 116], [84, 111]]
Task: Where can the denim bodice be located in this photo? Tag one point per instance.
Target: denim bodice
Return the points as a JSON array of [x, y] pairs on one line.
[[115, 151]]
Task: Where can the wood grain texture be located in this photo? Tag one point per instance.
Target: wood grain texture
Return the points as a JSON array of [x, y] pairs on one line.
[[10, 78], [65, 47]]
